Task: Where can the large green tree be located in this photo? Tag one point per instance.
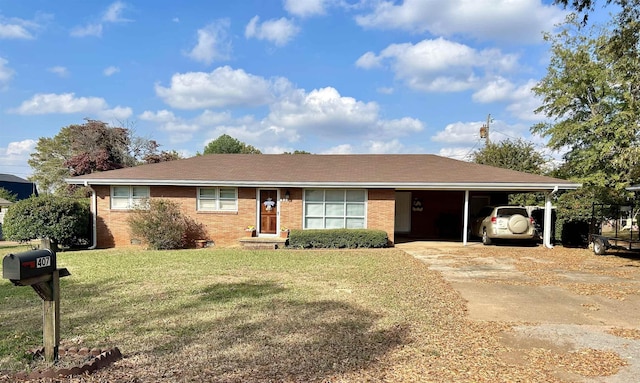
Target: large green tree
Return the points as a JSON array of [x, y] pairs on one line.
[[225, 144], [591, 102], [517, 155], [86, 148]]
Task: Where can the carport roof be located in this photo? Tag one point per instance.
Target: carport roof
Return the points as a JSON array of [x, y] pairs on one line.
[[399, 171]]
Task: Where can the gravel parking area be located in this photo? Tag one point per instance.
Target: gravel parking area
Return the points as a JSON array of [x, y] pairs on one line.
[[567, 310]]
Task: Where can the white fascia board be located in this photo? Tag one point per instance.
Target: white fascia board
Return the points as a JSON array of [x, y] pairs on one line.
[[363, 185]]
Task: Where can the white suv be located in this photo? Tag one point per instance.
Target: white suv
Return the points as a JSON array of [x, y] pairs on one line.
[[503, 222]]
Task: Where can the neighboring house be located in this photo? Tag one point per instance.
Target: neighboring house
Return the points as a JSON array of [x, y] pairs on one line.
[[418, 196], [22, 188], [4, 205]]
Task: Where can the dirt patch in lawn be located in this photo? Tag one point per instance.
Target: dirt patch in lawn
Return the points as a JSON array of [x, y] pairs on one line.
[[571, 312]]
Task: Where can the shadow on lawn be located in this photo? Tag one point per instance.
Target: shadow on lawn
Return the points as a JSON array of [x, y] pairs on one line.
[[253, 331]]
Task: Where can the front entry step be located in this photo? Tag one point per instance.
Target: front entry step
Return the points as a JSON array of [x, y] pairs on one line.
[[263, 243]]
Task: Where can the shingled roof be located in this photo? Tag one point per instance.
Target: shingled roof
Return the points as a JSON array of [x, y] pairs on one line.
[[399, 171]]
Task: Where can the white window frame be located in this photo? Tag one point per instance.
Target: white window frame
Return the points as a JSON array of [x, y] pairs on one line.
[[324, 202], [217, 199], [133, 198]]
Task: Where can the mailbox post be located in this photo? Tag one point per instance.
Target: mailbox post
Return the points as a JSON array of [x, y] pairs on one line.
[[37, 268]]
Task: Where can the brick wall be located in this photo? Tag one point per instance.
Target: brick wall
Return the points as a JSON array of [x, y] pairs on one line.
[[225, 228], [381, 210]]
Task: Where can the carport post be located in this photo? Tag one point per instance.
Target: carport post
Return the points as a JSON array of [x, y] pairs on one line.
[[547, 220], [465, 230]]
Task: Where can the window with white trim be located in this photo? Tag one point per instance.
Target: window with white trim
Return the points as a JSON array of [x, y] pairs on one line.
[[334, 209], [217, 199], [129, 197]]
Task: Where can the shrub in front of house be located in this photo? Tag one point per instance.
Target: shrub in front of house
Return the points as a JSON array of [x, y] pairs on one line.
[[162, 226], [65, 221], [338, 239]]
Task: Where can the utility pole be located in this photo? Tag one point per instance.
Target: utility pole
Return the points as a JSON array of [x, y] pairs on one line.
[[484, 131]]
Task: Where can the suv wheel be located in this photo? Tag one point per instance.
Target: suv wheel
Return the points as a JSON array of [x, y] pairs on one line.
[[485, 238]]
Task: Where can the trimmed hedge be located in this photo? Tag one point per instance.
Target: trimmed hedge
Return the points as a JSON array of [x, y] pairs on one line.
[[338, 238]]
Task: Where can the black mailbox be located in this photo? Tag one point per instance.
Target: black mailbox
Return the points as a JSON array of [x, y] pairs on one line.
[[29, 264]]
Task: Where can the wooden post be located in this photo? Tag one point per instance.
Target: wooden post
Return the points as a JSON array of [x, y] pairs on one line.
[[51, 314], [51, 320]]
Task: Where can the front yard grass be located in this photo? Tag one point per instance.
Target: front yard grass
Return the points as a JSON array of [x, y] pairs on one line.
[[255, 316]]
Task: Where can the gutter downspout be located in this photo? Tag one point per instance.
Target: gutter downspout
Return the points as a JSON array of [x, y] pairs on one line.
[[547, 219], [94, 218]]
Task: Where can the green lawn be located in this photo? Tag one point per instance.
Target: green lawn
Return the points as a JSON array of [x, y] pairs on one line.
[[300, 315]]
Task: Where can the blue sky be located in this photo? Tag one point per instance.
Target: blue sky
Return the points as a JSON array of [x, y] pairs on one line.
[[325, 76]]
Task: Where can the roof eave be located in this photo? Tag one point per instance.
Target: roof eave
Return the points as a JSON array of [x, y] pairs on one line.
[[506, 186]]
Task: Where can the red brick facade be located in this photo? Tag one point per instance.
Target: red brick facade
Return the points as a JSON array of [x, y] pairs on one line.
[[225, 228]]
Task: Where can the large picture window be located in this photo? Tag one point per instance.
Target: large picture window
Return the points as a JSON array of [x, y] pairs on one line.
[[129, 197], [217, 199], [334, 209]]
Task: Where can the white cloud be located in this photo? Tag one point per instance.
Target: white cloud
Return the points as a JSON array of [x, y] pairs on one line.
[[14, 31], [278, 32], [59, 70], [458, 153], [68, 103], [110, 70], [16, 28], [113, 14], [222, 87], [340, 149], [468, 133], [305, 8], [385, 90], [118, 113], [369, 60], [440, 65], [87, 30], [522, 100], [384, 147], [323, 109], [209, 118], [213, 43], [327, 114], [400, 127], [498, 89], [503, 20], [20, 148], [5, 72], [13, 158], [169, 121], [159, 116], [459, 132]]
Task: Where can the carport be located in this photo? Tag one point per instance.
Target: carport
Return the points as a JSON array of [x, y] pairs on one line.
[[443, 212]]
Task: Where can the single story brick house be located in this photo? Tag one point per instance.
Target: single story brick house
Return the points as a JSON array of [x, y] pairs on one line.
[[411, 195]]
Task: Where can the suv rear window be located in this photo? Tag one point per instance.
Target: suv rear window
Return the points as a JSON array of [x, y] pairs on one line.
[[509, 211]]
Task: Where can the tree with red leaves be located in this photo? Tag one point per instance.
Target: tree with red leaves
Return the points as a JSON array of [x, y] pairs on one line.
[[87, 148]]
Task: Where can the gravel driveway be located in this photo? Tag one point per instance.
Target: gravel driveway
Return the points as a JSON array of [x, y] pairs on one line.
[[559, 303]]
